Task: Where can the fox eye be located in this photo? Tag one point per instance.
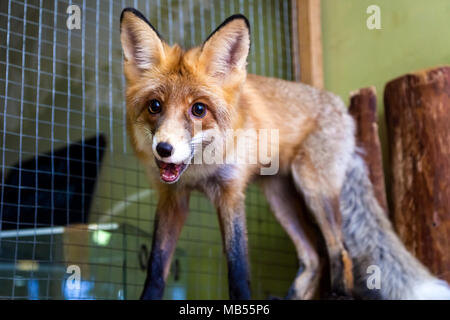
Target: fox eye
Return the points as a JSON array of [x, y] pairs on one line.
[[198, 110], [154, 107]]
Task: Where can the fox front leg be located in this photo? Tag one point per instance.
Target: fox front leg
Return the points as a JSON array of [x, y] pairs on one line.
[[231, 210], [171, 214]]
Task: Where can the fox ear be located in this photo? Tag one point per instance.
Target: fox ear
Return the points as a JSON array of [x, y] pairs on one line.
[[226, 49], [141, 43]]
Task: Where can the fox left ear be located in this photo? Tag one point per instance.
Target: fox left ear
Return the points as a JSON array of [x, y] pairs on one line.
[[141, 43], [225, 51]]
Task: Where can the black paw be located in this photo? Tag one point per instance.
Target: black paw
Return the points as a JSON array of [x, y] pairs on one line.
[[338, 296], [271, 297]]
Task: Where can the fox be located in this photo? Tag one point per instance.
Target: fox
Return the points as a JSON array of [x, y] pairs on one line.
[[181, 103]]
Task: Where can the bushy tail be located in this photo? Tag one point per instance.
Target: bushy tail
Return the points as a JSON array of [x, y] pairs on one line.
[[375, 248]]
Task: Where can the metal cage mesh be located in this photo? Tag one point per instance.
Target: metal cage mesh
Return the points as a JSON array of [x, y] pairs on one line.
[[73, 196]]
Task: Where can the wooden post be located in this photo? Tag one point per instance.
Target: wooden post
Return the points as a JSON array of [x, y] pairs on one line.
[[310, 42], [363, 108], [418, 120]]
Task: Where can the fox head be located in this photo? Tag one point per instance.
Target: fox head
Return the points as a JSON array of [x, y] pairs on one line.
[[179, 102]]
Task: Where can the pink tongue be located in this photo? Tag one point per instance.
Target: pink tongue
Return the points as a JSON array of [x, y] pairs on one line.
[[169, 171]]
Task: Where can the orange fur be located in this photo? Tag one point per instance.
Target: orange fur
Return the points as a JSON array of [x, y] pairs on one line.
[[215, 75]]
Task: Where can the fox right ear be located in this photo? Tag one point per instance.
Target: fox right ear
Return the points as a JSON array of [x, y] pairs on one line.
[[141, 43], [225, 51]]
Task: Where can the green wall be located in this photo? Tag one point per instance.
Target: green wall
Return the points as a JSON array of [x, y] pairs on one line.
[[414, 35]]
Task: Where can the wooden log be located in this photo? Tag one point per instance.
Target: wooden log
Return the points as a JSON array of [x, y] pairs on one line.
[[363, 108], [418, 121]]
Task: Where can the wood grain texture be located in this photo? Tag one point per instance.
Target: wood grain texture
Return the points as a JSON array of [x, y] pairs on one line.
[[363, 108], [418, 120], [310, 42]]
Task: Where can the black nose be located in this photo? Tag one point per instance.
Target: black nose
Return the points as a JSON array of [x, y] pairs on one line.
[[164, 149]]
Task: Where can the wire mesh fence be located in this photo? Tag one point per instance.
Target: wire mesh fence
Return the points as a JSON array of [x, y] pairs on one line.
[[73, 196]]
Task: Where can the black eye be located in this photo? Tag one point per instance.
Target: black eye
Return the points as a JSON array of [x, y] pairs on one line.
[[154, 107], [198, 110]]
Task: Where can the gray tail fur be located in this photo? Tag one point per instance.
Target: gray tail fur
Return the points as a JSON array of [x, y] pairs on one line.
[[383, 268]]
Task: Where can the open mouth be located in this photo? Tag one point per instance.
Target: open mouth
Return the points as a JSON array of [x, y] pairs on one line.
[[170, 172]]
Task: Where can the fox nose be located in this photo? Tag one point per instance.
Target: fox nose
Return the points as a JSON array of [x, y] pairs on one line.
[[164, 149]]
